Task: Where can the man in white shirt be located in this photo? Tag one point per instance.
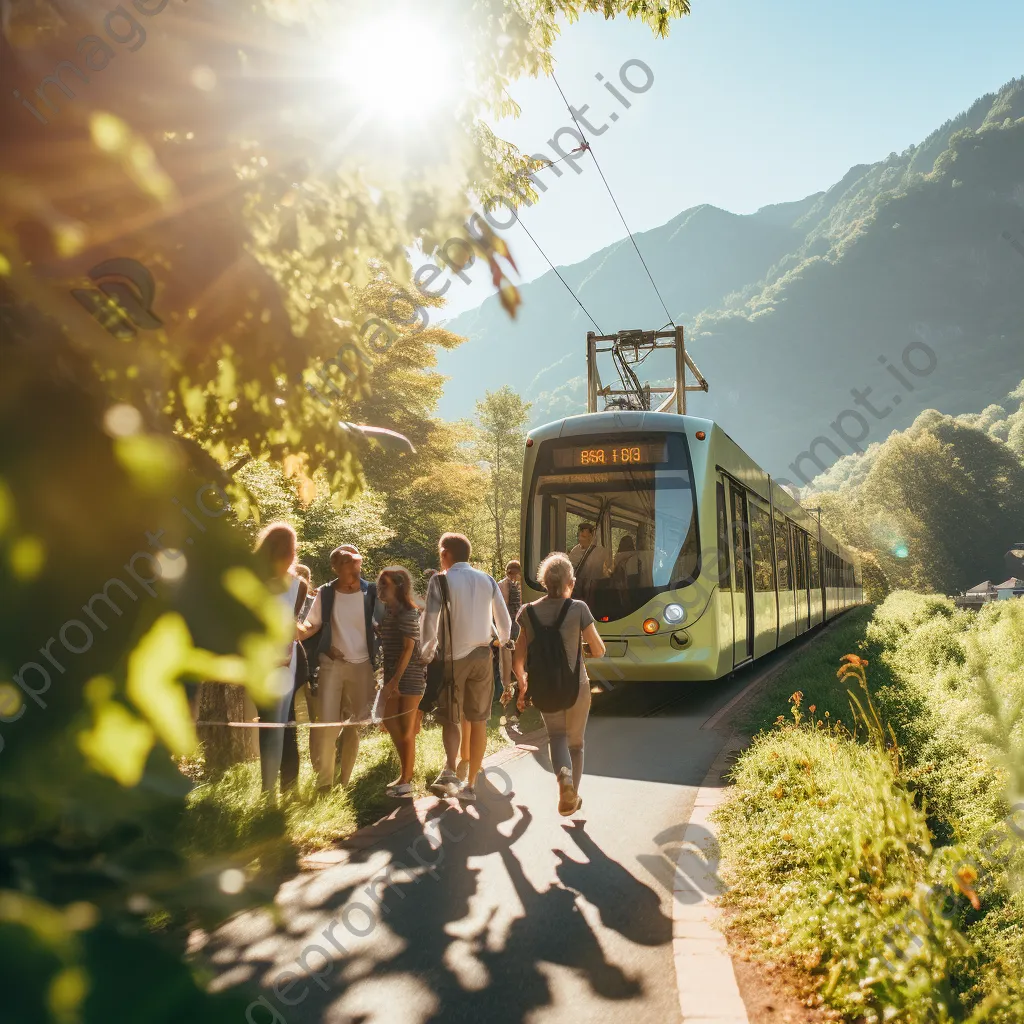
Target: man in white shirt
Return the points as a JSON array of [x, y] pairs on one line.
[[342, 613], [477, 609], [590, 561]]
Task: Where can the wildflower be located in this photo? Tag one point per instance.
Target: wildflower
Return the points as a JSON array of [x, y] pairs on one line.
[[812, 708], [965, 878]]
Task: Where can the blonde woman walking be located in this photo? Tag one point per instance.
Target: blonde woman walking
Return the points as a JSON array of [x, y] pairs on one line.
[[548, 663]]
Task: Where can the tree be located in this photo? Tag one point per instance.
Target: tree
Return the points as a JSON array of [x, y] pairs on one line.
[[938, 506], [174, 258], [500, 446], [324, 525]]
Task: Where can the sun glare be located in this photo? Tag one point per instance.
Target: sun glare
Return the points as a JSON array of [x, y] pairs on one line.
[[398, 71]]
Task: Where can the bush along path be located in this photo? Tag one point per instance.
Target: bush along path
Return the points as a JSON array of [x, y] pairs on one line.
[[873, 842]]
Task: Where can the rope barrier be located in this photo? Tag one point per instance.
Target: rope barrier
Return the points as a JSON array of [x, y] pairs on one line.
[[309, 725]]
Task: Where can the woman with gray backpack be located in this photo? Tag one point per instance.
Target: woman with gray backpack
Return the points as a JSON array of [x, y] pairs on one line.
[[548, 663]]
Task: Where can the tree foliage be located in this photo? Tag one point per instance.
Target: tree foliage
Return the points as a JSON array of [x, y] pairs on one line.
[[937, 505], [269, 212], [500, 446]]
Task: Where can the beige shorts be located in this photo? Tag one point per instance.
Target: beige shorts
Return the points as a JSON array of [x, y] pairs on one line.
[[474, 688]]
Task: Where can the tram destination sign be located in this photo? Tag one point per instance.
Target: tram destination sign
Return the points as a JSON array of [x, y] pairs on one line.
[[608, 456]]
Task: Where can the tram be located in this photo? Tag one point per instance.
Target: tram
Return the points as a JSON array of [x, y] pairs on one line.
[[697, 562]]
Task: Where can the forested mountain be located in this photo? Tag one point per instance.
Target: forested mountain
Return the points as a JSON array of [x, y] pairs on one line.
[[935, 507], [791, 307]]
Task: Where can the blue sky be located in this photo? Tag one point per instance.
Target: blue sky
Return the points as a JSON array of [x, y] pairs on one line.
[[752, 103]]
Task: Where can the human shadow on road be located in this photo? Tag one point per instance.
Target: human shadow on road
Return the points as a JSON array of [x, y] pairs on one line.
[[441, 949], [625, 904]]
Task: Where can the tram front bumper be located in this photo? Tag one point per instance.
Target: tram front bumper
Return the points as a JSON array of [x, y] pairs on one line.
[[667, 656]]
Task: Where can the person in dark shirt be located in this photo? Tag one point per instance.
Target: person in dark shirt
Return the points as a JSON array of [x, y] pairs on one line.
[[404, 669]]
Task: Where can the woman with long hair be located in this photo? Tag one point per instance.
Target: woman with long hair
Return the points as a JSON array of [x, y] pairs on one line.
[[275, 550], [404, 670]]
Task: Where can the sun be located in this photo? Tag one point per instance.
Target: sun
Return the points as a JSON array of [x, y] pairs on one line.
[[398, 71]]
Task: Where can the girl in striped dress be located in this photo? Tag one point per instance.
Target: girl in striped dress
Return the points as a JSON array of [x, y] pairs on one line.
[[404, 670]]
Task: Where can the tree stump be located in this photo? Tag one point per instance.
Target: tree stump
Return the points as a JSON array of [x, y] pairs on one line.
[[223, 746]]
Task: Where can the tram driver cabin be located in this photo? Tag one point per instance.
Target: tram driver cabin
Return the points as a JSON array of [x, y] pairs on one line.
[[705, 564]]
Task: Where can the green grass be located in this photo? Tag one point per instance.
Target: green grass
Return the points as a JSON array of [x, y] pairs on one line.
[[230, 815], [831, 841], [813, 672]]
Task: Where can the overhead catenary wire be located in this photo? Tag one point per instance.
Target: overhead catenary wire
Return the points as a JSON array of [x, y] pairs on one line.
[[568, 288], [588, 148]]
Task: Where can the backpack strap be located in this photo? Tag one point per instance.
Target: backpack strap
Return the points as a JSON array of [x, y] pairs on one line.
[[449, 676], [531, 614], [300, 598], [562, 614], [586, 555]]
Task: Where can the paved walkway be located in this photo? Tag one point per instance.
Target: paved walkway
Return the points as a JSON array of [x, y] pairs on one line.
[[500, 912]]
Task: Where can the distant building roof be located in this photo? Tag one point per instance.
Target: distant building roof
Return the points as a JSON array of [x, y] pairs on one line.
[[983, 588], [1011, 584]]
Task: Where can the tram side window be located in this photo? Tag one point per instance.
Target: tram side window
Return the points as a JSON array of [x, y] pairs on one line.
[[742, 537], [761, 536], [724, 582], [815, 577], [799, 568], [782, 552]]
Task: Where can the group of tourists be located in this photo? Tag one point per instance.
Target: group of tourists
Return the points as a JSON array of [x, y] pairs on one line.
[[440, 654]]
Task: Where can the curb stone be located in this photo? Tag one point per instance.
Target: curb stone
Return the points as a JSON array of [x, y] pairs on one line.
[[705, 979]]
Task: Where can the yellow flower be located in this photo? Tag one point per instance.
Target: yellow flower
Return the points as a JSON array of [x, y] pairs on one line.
[[965, 878]]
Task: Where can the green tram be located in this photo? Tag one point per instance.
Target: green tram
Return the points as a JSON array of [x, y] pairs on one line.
[[700, 562]]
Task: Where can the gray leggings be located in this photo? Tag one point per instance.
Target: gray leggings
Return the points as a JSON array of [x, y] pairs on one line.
[[565, 734]]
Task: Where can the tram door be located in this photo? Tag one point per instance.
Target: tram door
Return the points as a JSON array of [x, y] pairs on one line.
[[743, 584], [724, 595]]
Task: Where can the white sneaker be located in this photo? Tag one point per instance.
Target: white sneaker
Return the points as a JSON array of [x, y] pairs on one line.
[[467, 793], [399, 789], [447, 784]]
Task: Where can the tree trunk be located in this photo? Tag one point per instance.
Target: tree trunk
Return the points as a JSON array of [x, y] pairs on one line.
[[222, 745], [497, 506]]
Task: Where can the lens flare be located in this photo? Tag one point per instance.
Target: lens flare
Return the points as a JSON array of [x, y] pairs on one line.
[[399, 72]]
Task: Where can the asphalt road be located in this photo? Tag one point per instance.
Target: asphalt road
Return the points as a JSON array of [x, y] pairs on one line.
[[502, 912]]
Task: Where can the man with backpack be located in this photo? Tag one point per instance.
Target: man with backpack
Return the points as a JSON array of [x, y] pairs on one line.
[[549, 664], [347, 649], [463, 604]]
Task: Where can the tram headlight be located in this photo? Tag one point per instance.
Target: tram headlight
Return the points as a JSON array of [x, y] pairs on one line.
[[674, 613]]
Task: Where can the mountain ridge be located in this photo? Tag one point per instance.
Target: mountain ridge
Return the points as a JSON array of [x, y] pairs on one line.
[[783, 301]]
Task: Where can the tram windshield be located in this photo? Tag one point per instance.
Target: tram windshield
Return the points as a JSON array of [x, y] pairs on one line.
[[637, 494]]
